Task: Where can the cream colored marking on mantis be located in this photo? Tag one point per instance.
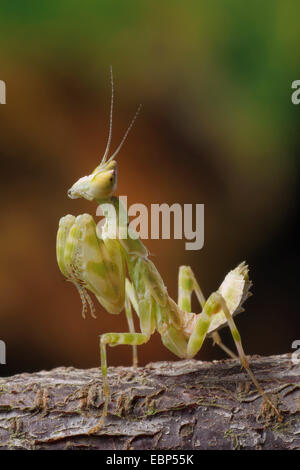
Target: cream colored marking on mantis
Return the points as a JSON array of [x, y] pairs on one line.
[[97, 263]]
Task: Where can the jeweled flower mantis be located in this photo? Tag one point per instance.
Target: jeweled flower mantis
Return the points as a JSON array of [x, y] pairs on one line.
[[99, 263]]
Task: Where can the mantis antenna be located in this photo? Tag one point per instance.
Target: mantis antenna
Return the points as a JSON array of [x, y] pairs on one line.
[[110, 125], [110, 117], [125, 135]]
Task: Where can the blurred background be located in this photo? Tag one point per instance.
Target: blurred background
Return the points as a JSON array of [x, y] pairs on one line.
[[217, 127]]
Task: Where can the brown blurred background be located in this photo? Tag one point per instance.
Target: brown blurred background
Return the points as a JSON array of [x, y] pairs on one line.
[[217, 127]]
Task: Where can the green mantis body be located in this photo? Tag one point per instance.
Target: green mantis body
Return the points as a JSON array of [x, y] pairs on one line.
[[98, 262]]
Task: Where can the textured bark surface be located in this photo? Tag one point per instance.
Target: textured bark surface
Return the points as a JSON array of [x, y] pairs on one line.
[[168, 405]]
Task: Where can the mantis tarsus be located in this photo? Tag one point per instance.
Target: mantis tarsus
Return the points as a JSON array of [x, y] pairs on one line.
[[98, 262]]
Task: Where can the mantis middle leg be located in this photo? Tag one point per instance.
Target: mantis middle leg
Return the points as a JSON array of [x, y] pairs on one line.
[[115, 339], [130, 299]]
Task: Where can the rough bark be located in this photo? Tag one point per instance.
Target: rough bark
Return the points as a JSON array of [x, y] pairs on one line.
[[179, 405]]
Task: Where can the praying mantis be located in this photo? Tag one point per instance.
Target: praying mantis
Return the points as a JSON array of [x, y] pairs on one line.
[[118, 272]]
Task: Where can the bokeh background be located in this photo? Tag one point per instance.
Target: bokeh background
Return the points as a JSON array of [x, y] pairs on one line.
[[217, 127]]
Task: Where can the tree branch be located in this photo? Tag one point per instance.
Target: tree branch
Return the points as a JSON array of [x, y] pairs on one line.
[[168, 405]]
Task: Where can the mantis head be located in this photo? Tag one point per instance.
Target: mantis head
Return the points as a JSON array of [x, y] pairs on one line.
[[102, 182]]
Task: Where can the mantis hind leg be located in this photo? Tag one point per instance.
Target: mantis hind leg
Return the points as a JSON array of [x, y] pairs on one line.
[[219, 299], [187, 284], [218, 341], [215, 303], [113, 339]]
